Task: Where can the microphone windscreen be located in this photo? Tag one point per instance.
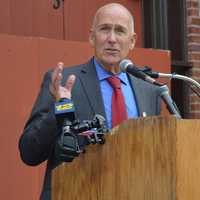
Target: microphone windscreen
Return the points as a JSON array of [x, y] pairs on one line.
[[124, 64]]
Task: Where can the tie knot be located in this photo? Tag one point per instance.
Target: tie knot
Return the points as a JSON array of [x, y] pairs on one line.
[[114, 82]]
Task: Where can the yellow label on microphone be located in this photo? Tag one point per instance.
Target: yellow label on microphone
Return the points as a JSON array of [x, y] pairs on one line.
[[66, 106]]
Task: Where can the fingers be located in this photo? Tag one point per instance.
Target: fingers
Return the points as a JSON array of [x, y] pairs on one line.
[[70, 82], [56, 89], [57, 76]]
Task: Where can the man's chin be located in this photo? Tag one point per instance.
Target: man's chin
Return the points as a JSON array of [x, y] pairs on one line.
[[111, 62]]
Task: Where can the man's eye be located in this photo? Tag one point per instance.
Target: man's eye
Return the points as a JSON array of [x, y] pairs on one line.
[[120, 30], [104, 28]]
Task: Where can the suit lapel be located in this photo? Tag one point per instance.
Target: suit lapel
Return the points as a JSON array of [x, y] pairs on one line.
[[90, 83], [139, 94]]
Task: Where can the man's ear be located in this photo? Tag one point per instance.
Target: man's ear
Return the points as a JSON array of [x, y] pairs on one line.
[[91, 37], [133, 41]]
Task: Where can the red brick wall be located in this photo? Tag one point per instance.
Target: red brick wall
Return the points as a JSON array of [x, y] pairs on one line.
[[193, 33]]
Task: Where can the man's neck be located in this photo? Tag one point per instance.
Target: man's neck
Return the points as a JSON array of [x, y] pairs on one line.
[[114, 69]]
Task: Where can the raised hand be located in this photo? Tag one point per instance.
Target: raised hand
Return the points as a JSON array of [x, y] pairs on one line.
[[56, 89]]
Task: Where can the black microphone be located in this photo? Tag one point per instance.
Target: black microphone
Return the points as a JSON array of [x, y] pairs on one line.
[[148, 71], [127, 66], [64, 110]]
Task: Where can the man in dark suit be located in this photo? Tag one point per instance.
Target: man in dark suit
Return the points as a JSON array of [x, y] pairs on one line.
[[112, 36]]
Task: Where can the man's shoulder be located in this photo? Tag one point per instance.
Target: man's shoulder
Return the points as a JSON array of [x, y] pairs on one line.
[[73, 68], [142, 84], [77, 68]]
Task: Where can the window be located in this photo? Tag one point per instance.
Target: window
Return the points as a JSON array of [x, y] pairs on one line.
[[164, 27]]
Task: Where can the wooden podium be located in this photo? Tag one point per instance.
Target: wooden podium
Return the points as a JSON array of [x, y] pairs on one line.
[[153, 158]]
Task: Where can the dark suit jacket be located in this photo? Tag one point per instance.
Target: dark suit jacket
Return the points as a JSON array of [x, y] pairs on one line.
[[37, 142]]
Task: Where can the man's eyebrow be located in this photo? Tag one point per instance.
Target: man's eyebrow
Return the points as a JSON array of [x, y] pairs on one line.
[[115, 25], [104, 25]]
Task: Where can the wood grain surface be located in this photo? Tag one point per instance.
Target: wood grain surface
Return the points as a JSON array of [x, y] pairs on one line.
[[153, 158]]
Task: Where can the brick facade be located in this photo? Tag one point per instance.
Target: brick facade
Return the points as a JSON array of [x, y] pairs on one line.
[[193, 38]]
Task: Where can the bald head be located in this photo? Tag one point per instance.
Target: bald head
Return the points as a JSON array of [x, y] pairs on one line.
[[112, 36], [114, 7]]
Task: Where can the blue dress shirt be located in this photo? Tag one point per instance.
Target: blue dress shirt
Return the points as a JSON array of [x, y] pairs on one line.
[[106, 90]]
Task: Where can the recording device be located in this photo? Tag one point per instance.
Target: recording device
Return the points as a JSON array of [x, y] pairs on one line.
[[72, 130]]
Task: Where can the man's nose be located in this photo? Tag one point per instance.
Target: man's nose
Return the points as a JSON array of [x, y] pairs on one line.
[[112, 36]]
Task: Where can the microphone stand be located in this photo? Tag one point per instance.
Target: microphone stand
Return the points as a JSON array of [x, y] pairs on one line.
[[148, 71], [147, 75], [173, 109], [180, 77]]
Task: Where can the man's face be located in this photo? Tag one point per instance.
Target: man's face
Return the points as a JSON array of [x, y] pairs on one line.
[[112, 36]]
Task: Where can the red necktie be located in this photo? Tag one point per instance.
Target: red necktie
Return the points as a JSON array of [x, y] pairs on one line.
[[119, 113]]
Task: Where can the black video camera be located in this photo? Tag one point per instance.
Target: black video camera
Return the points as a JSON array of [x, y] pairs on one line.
[[93, 132], [90, 131]]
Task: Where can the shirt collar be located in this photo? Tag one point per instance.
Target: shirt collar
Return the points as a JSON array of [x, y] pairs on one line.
[[103, 74]]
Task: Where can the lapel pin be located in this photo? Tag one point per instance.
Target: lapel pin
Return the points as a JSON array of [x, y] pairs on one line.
[[144, 114]]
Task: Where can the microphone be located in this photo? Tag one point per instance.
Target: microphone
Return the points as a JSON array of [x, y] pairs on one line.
[[127, 66], [171, 106], [64, 110]]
